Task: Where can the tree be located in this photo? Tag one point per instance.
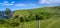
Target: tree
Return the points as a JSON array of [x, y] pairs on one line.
[[8, 13], [38, 17], [0, 13]]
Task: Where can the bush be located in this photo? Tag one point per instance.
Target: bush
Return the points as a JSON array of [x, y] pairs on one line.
[[2, 21], [46, 15], [14, 24], [27, 19], [38, 17], [16, 16], [21, 19]]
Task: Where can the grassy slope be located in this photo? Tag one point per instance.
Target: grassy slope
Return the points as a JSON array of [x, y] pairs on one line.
[[23, 12], [44, 23], [53, 22], [33, 24], [36, 10]]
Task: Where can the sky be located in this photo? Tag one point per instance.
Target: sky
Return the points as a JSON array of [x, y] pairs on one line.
[[26, 4]]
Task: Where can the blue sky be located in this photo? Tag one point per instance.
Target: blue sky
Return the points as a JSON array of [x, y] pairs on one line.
[[26, 4]]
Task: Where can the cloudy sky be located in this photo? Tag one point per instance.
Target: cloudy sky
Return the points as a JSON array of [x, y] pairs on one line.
[[26, 4]]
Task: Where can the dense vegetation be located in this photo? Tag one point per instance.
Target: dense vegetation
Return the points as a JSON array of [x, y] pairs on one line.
[[26, 17]]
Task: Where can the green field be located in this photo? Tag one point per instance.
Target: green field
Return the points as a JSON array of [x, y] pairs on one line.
[[51, 23], [32, 24], [50, 18]]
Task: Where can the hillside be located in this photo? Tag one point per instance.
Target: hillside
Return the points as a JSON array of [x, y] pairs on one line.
[[49, 18], [38, 10], [52, 22]]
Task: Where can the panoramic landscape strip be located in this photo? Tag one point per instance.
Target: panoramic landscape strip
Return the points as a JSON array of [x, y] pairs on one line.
[[29, 13]]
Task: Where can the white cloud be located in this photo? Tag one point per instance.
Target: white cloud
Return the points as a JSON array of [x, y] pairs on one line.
[[5, 2], [49, 1], [42, 1], [32, 4], [13, 2], [20, 5], [25, 4], [8, 4]]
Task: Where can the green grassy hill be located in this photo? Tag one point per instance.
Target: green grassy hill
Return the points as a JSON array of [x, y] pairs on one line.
[[52, 22], [36, 10], [50, 19]]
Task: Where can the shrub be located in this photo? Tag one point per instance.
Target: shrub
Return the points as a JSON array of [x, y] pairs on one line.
[[38, 17], [16, 16], [2, 21], [21, 19], [27, 19], [46, 15], [14, 24]]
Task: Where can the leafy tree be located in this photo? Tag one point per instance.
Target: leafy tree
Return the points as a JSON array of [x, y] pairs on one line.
[[8, 13], [38, 17]]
